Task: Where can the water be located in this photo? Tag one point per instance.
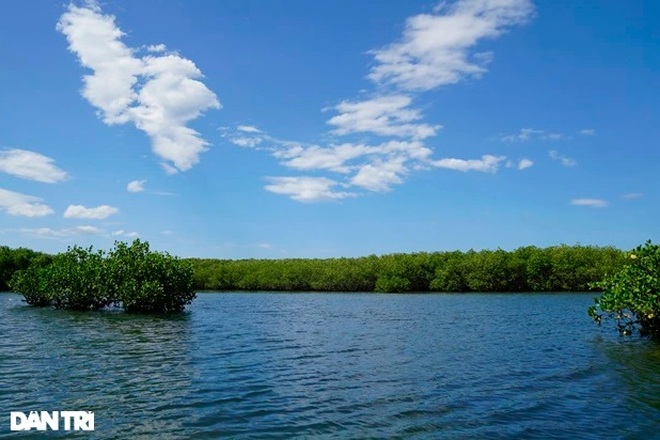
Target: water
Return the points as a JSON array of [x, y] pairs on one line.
[[270, 366]]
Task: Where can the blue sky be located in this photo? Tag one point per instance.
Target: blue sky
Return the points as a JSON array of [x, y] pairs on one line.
[[270, 129]]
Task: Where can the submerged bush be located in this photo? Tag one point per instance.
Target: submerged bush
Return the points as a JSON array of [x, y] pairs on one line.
[[132, 277], [632, 296]]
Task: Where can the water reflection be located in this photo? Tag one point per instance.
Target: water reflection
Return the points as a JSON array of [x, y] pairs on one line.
[[637, 362]]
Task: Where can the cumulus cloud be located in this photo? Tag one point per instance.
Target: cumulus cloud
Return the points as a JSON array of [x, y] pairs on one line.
[[488, 163], [523, 164], [306, 189], [591, 203], [23, 205], [159, 94], [98, 213], [439, 49], [588, 132], [383, 116], [632, 196], [30, 165], [564, 160], [380, 175], [135, 186]]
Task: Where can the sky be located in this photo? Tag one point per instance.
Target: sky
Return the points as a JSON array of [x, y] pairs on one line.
[[279, 129]]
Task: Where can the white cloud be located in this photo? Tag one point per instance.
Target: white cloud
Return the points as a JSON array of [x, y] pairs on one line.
[[86, 229], [528, 134], [523, 136], [306, 189], [42, 232], [169, 169], [553, 136], [409, 149], [22, 204], [435, 49], [246, 141], [159, 94], [156, 48], [488, 163], [332, 158], [246, 136], [135, 186], [30, 165], [588, 132], [97, 213], [632, 196], [380, 175], [591, 203], [438, 49], [169, 99], [564, 160], [383, 116], [122, 233], [59, 233], [375, 168], [248, 129]]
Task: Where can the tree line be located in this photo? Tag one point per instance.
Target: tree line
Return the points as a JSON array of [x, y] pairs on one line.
[[526, 269], [557, 268]]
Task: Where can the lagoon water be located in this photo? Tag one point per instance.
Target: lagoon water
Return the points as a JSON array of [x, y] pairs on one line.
[[321, 365]]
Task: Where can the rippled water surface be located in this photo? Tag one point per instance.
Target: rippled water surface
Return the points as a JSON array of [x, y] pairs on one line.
[[272, 365]]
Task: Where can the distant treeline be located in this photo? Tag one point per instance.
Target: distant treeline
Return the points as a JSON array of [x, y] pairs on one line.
[[557, 268], [552, 269]]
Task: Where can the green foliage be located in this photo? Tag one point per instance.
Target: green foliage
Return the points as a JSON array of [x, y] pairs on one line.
[[145, 281], [392, 283], [13, 260], [404, 273], [450, 274], [631, 296], [557, 268], [132, 277], [140, 280], [73, 280]]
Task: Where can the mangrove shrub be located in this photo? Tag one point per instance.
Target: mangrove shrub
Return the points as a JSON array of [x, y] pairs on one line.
[[631, 296], [13, 260], [131, 277]]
